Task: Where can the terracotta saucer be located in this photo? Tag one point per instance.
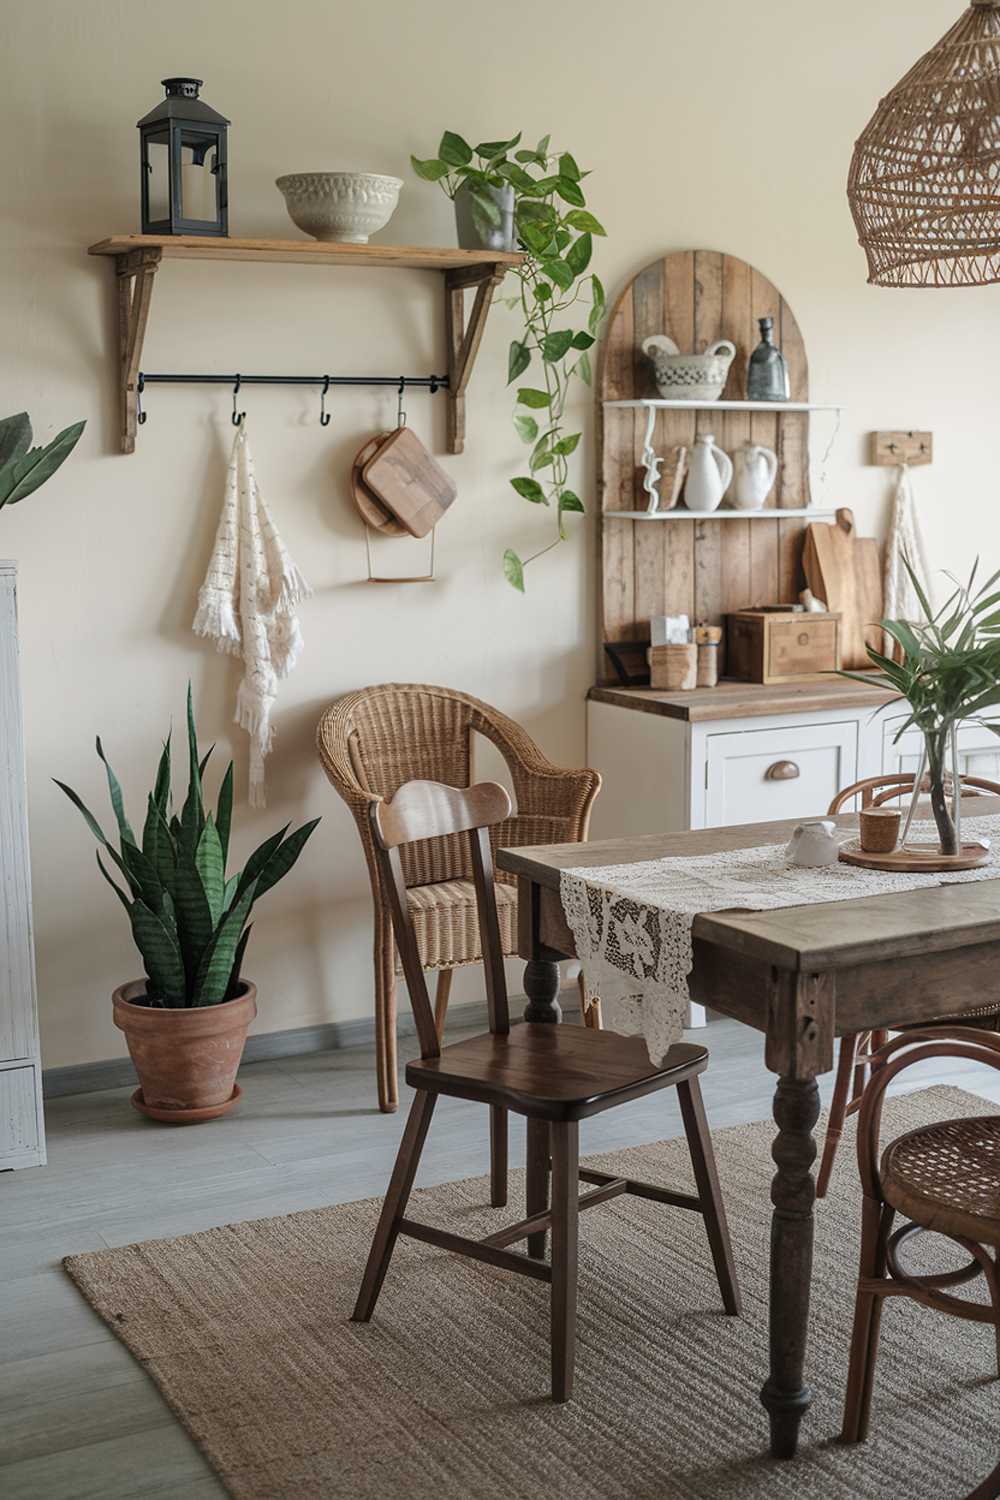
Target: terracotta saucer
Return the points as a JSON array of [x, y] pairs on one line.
[[186, 1116]]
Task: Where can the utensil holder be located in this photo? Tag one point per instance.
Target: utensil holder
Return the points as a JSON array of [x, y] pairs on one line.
[[674, 668]]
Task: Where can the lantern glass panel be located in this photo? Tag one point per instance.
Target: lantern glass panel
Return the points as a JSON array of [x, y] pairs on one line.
[[158, 176], [199, 163]]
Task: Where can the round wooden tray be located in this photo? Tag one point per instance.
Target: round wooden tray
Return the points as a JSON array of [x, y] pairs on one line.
[[373, 512], [916, 858]]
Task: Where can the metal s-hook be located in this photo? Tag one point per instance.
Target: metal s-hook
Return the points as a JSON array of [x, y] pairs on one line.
[[400, 413], [237, 416], [140, 415], [324, 415]]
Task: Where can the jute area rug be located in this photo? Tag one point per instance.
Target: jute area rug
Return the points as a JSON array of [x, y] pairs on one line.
[[445, 1394]]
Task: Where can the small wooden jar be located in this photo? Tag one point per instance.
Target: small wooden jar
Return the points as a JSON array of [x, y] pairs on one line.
[[708, 663], [673, 668], [879, 829]]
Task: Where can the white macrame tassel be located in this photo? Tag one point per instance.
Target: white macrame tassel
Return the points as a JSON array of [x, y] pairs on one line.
[[247, 605]]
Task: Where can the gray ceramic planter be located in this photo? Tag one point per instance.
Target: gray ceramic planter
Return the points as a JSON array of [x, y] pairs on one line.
[[469, 236]]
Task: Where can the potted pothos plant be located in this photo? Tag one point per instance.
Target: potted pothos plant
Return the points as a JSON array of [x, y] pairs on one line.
[[947, 667], [555, 230], [186, 1023]]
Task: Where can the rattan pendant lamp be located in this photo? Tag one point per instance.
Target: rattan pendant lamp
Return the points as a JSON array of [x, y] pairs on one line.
[[924, 184]]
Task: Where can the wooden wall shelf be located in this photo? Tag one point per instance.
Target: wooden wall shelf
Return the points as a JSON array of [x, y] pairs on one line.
[[645, 402], [679, 513], [704, 571], [137, 257]]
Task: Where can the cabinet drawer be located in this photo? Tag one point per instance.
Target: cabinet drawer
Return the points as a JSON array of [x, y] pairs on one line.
[[777, 773]]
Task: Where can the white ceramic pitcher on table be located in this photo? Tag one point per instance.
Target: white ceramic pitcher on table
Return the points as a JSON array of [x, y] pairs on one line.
[[710, 473], [814, 844], [755, 470]]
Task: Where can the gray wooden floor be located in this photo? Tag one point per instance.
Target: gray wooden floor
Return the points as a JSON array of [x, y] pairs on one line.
[[78, 1418]]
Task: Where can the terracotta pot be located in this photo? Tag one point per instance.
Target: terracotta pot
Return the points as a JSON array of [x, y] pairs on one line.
[[186, 1059]]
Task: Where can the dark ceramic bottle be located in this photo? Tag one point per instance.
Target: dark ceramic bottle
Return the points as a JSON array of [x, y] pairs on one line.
[[767, 376]]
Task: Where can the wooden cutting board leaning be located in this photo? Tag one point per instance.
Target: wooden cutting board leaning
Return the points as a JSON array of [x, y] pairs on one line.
[[845, 571]]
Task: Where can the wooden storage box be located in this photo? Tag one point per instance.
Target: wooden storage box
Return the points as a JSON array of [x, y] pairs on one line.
[[771, 646]]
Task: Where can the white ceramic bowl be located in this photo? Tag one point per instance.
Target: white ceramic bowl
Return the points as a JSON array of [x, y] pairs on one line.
[[344, 206]]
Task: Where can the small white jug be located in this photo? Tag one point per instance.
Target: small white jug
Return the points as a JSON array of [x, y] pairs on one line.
[[813, 844], [710, 473], [755, 470]]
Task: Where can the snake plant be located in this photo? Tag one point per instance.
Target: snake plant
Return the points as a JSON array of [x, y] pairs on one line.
[[24, 469], [189, 920]]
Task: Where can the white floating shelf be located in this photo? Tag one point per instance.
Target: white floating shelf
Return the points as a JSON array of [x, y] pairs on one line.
[[679, 513], [721, 405]]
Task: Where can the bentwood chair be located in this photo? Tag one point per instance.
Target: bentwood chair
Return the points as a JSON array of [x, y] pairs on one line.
[[370, 742], [854, 1060], [942, 1178], [554, 1075]]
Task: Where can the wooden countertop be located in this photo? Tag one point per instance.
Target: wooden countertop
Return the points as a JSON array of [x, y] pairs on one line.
[[746, 700]]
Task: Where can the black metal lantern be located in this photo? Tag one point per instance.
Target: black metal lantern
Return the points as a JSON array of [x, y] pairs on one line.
[[184, 164]]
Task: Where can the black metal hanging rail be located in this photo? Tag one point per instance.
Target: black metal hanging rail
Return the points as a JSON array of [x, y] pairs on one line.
[[408, 382]]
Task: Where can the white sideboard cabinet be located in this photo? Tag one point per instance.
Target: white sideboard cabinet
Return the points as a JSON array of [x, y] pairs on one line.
[[22, 1136]]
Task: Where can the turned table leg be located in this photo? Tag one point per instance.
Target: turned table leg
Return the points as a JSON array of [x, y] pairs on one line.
[[793, 1192], [541, 985]]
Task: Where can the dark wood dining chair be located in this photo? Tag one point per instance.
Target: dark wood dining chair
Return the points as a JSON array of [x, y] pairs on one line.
[[554, 1075], [854, 1060], [943, 1178]]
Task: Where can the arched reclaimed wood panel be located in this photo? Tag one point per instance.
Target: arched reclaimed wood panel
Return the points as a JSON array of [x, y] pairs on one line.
[[701, 568]]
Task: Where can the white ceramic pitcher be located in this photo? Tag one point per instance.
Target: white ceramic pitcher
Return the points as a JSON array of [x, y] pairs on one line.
[[814, 844], [710, 473], [755, 470]]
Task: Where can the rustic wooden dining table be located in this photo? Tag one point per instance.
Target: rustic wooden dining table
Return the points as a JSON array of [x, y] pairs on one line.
[[802, 975]]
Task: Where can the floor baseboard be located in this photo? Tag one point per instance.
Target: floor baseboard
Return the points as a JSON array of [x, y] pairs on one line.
[[118, 1072]]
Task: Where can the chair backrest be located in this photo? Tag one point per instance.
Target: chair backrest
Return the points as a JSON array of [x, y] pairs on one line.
[[374, 740], [430, 809], [875, 790]]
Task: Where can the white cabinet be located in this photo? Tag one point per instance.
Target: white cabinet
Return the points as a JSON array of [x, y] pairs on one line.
[[978, 749], [791, 771], [22, 1142], [733, 754]]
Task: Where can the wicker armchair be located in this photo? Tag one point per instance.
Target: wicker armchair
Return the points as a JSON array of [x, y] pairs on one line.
[[372, 741]]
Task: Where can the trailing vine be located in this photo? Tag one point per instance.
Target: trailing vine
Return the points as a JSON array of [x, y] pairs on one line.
[[556, 231]]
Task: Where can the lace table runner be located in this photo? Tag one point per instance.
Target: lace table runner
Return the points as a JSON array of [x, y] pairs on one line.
[[632, 923]]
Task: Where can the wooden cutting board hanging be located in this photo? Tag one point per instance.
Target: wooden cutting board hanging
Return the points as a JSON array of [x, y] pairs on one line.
[[845, 571], [373, 512], [408, 482]]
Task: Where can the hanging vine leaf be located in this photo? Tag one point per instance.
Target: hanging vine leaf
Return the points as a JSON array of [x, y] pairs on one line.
[[518, 360], [513, 570], [530, 489], [537, 399], [527, 427]]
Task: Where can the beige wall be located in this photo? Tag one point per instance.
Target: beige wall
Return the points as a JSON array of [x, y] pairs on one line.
[[727, 126]]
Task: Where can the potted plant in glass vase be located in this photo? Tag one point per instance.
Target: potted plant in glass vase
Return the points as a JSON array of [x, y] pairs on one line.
[[186, 1022], [555, 231], [947, 667]]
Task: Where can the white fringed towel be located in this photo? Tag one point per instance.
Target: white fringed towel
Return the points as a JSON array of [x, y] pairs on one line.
[[899, 598], [247, 604]]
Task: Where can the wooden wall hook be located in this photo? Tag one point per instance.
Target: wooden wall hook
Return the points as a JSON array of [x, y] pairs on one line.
[[889, 449]]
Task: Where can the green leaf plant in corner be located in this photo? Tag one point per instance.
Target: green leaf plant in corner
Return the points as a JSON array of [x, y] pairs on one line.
[[556, 232], [189, 919], [24, 469], [947, 667]]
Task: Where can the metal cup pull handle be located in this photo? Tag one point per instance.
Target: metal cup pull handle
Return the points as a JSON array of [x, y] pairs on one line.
[[782, 770]]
